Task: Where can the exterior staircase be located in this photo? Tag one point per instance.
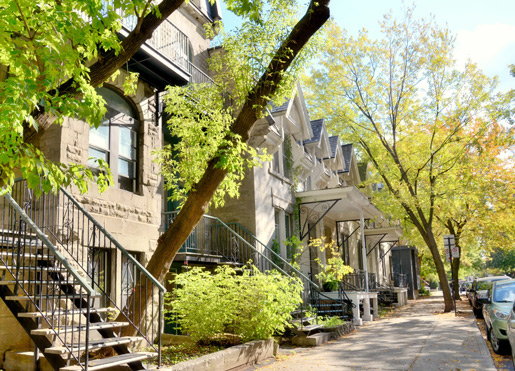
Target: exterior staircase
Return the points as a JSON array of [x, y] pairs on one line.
[[52, 281], [234, 244]]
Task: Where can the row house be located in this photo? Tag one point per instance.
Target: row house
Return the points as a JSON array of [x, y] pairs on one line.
[[71, 263], [310, 190]]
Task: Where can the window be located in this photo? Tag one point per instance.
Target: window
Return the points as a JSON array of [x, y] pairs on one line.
[[116, 140], [280, 162], [275, 162], [345, 249], [99, 271], [360, 255], [277, 232], [286, 162]]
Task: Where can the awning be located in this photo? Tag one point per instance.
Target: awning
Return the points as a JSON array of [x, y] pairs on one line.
[[376, 236], [387, 234], [339, 204]]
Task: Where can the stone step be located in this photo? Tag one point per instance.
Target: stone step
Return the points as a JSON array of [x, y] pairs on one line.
[[65, 312], [71, 329], [50, 297], [94, 344], [34, 269], [25, 256], [99, 364], [312, 340], [24, 361]]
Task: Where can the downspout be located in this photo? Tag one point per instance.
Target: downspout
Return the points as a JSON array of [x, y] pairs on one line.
[[363, 247]]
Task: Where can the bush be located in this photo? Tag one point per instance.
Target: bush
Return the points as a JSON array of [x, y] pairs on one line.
[[423, 292], [244, 302]]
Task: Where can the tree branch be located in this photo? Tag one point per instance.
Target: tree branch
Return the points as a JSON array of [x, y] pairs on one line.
[[107, 65]]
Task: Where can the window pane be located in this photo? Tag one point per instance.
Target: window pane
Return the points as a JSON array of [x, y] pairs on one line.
[[96, 154], [277, 225], [275, 162], [288, 225], [126, 168], [100, 137], [127, 143]]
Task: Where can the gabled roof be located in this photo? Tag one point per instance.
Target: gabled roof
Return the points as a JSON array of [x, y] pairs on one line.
[[334, 141], [317, 126], [283, 107], [347, 150]]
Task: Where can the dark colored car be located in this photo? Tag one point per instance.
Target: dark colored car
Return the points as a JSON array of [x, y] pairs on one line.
[[479, 291]]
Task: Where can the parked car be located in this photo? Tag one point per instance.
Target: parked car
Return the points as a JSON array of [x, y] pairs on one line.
[[496, 309], [510, 329], [479, 290], [469, 293]]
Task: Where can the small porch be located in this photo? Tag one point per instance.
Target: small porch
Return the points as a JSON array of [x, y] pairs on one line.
[[373, 281]]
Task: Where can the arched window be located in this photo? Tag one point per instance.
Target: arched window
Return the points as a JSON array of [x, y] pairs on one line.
[[116, 139]]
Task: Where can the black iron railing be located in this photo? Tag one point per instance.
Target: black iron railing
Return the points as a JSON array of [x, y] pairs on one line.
[[233, 243], [94, 252], [58, 299], [400, 280], [356, 281]]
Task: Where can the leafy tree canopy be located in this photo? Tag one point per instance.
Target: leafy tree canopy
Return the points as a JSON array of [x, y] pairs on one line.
[[202, 117], [415, 116]]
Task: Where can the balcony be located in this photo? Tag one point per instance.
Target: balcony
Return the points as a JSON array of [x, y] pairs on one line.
[[356, 281], [165, 59]]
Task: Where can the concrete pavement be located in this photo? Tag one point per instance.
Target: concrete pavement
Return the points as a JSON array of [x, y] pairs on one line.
[[416, 338]]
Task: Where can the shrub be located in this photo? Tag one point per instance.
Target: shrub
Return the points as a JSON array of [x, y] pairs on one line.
[[244, 302]]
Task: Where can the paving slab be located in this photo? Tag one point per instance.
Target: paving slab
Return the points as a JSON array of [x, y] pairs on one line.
[[418, 337]]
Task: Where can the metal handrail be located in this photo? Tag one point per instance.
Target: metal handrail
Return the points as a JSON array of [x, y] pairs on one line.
[[115, 243], [276, 255], [56, 282], [49, 245], [78, 233], [284, 261]]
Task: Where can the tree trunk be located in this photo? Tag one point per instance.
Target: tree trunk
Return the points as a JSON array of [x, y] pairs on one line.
[[442, 276], [199, 198], [105, 67]]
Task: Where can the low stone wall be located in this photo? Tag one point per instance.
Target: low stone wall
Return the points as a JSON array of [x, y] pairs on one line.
[[232, 358]]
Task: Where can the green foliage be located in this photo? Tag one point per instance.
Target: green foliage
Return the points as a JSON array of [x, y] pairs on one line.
[[244, 302], [501, 261], [423, 292], [42, 45], [331, 322], [429, 128], [246, 53], [333, 272], [201, 125]]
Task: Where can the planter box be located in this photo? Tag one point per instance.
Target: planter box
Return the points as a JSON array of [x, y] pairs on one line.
[[338, 331], [232, 358]]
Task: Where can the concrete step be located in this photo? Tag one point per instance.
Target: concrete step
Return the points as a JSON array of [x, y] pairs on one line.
[[95, 344], [100, 364], [24, 361], [312, 340], [58, 312], [71, 329]]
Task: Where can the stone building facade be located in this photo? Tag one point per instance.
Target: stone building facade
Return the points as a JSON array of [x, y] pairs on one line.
[[131, 211]]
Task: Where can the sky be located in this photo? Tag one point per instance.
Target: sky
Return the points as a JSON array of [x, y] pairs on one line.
[[484, 29]]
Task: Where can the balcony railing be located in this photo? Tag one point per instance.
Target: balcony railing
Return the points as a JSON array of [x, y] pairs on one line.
[[171, 43], [400, 280], [356, 281]]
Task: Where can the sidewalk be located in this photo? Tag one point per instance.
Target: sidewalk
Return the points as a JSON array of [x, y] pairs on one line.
[[417, 337]]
